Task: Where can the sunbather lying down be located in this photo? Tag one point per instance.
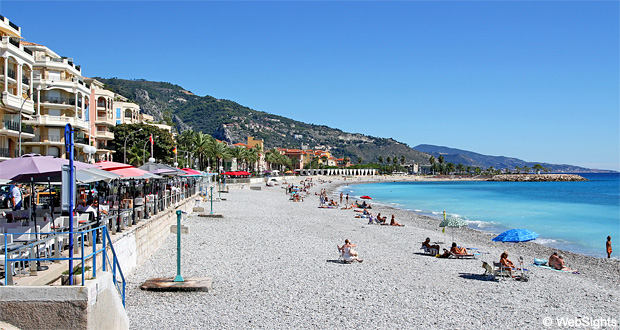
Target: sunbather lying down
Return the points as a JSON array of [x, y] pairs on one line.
[[454, 250]]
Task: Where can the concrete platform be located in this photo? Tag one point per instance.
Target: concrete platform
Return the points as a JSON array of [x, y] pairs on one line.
[[167, 284], [207, 215]]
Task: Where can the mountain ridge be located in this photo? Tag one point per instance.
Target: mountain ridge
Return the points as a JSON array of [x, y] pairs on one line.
[[474, 159]]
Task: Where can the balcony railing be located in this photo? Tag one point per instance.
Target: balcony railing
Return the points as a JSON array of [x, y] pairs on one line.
[[81, 140], [25, 80], [48, 138], [59, 121], [11, 125], [57, 100], [28, 51], [14, 41], [13, 25], [27, 129], [11, 73], [5, 152]]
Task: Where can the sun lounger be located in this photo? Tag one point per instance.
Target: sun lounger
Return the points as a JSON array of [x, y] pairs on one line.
[[429, 251], [462, 256]]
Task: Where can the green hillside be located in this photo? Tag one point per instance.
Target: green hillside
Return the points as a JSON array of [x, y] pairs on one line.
[[229, 121]]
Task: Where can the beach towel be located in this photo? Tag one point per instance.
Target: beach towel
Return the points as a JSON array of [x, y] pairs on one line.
[[557, 270]]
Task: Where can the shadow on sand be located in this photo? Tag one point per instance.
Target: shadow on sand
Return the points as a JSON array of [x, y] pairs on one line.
[[479, 277]]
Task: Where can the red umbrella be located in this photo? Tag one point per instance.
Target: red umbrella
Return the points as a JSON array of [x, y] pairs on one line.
[[108, 166], [365, 197]]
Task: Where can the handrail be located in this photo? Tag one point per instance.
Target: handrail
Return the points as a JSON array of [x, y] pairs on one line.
[[107, 243]]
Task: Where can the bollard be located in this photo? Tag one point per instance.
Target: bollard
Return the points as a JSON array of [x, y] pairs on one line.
[[179, 278], [211, 200]]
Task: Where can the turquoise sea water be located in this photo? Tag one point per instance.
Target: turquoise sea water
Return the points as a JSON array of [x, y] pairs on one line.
[[573, 216]]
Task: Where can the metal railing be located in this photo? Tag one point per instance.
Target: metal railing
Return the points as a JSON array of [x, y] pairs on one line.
[[11, 73], [5, 152], [83, 234]]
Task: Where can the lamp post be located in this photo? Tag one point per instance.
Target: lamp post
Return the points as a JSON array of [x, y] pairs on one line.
[[125, 146], [144, 150], [29, 95], [90, 150]]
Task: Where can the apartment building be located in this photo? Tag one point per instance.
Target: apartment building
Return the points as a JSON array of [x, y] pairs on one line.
[[100, 116], [61, 97], [16, 69]]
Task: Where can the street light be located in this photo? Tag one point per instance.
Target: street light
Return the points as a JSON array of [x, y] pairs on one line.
[[125, 145], [90, 150], [28, 96], [144, 150]]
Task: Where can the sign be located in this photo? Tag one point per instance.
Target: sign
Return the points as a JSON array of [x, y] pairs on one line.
[[46, 197]]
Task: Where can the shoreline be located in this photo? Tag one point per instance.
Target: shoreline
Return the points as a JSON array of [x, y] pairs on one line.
[[576, 260], [438, 218]]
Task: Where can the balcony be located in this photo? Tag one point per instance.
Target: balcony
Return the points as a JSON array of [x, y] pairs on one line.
[[105, 121], [14, 45], [105, 135], [5, 153], [9, 126], [59, 121], [14, 102], [48, 138]]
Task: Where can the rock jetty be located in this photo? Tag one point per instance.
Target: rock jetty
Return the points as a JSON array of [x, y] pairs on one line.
[[537, 177]]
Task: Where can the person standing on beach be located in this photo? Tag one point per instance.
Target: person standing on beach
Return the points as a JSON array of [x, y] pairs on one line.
[[608, 245], [347, 199], [340, 198]]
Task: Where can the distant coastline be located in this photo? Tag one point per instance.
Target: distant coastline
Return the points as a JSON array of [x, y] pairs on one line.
[[537, 177]]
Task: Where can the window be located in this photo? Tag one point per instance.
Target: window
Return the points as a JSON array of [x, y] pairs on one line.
[[118, 122], [118, 114]]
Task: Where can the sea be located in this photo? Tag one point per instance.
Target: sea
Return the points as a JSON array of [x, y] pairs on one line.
[[572, 216]]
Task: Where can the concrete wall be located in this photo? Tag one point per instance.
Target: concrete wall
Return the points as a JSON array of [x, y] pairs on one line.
[[96, 305], [136, 244]]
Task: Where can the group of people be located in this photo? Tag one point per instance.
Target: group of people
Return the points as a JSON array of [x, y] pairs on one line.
[[557, 262], [454, 250]]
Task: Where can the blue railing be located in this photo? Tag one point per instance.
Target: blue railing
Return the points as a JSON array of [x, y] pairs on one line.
[[83, 232]]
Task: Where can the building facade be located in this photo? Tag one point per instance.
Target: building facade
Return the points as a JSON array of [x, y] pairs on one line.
[[60, 97], [16, 69]]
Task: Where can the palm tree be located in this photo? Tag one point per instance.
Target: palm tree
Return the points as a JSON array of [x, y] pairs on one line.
[[239, 154], [517, 169], [388, 159], [135, 155], [359, 160], [346, 160], [526, 169], [402, 160], [440, 159], [460, 167], [431, 160], [381, 159]]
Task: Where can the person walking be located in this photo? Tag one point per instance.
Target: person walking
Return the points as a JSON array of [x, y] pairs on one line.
[[347, 199], [340, 198], [16, 196], [608, 246]]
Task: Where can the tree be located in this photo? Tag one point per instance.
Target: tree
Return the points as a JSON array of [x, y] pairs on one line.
[[440, 159], [135, 155], [460, 168], [449, 168], [162, 147], [359, 160], [388, 160], [526, 169], [381, 159], [431, 160], [402, 160]]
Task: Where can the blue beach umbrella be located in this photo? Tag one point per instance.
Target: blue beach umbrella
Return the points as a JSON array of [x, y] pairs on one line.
[[516, 235]]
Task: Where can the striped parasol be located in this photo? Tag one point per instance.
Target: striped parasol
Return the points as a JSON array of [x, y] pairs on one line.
[[453, 222]]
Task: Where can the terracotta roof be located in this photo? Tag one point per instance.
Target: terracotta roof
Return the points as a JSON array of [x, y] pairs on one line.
[[28, 43]]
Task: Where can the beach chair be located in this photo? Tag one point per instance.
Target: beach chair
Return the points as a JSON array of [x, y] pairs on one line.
[[429, 251], [461, 256]]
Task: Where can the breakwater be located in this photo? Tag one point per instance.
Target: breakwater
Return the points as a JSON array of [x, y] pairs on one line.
[[537, 177]]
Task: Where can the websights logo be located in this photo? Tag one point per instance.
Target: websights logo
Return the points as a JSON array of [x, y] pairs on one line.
[[581, 322]]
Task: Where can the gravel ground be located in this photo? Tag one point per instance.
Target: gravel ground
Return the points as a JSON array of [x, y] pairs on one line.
[[274, 266]]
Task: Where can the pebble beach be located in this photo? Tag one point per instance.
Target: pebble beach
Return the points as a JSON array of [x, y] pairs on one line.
[[274, 265]]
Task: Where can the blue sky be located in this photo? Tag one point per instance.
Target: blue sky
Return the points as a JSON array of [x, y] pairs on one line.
[[533, 80]]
